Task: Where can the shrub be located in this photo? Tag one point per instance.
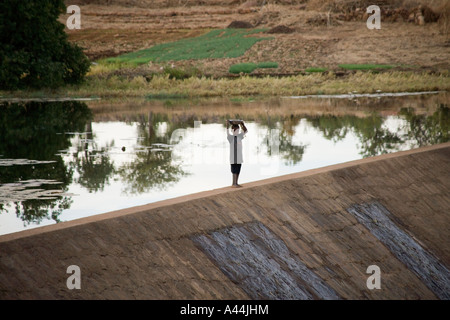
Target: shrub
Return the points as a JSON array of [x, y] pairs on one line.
[[246, 67], [268, 64], [249, 67], [316, 69], [34, 50]]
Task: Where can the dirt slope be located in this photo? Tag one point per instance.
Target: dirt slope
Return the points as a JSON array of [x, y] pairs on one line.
[[323, 35]]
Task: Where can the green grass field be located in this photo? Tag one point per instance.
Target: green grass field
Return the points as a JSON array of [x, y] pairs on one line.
[[221, 43]]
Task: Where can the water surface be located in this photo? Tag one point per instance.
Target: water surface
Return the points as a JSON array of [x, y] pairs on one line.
[[63, 160]]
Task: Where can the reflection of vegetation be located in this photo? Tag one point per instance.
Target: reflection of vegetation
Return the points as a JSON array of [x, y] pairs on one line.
[[423, 130], [164, 96], [290, 152], [154, 166], [33, 131], [34, 211], [279, 141], [333, 128], [94, 167], [376, 139], [92, 163], [151, 169]]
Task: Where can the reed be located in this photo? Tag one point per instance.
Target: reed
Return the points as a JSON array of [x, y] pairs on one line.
[[310, 84]]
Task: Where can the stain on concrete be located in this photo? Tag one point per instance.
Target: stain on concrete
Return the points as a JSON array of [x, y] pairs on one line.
[[381, 224], [261, 264]]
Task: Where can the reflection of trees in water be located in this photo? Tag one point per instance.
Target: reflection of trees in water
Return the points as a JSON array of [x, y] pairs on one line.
[[292, 153], [423, 130], [153, 166], [150, 170], [420, 130], [334, 128], [281, 144], [373, 137], [33, 131], [34, 211], [93, 163]]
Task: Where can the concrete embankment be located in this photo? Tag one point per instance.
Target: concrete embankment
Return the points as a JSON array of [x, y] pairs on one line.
[[310, 235]]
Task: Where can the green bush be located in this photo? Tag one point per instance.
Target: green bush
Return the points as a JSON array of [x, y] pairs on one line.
[[268, 64], [34, 49], [249, 67], [316, 69], [246, 67]]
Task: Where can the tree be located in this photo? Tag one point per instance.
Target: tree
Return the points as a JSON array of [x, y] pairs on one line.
[[34, 49]]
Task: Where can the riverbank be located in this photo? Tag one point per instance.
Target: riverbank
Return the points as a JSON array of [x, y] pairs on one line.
[[168, 49], [163, 86]]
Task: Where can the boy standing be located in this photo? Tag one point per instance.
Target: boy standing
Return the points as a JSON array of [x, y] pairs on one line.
[[235, 139]]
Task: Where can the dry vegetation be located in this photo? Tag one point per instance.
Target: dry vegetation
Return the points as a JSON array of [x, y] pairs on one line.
[[304, 34], [325, 33], [165, 88]]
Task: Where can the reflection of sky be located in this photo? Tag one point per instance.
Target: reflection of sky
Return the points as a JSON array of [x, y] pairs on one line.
[[204, 154], [399, 125]]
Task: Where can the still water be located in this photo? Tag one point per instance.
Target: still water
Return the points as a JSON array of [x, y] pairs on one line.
[[64, 160]]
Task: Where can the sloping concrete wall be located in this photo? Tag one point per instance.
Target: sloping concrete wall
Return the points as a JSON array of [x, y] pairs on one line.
[[310, 235]]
